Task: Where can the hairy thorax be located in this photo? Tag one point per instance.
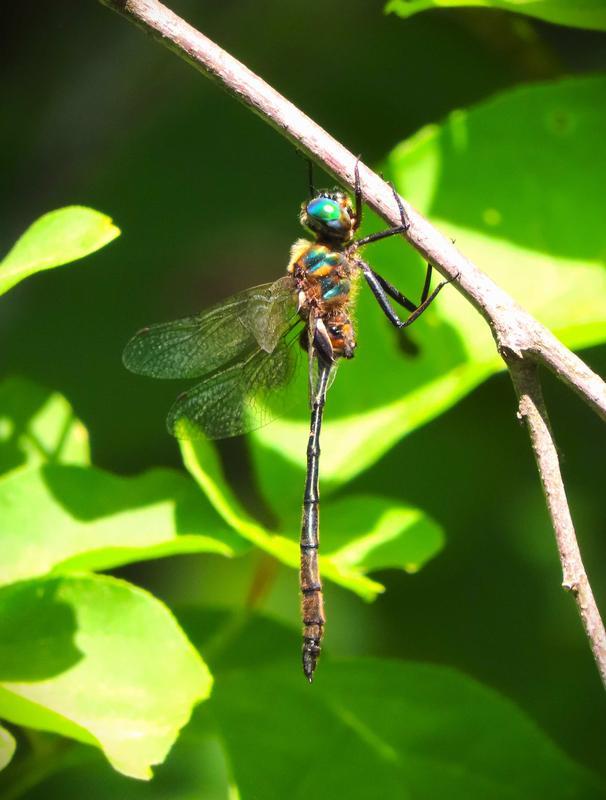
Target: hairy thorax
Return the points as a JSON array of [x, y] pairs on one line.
[[323, 277]]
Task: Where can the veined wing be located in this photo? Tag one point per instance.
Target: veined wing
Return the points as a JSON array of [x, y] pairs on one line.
[[238, 398], [196, 346]]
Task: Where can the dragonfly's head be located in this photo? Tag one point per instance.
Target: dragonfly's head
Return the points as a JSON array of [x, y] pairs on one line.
[[330, 216]]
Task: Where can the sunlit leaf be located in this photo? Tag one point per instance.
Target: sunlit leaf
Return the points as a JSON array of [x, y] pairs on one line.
[[371, 533], [587, 14], [517, 181], [536, 230], [360, 535], [7, 747], [201, 461], [66, 518], [38, 426], [101, 661], [56, 238]]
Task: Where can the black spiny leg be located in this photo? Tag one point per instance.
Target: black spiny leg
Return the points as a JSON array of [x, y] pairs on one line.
[[399, 297], [375, 237], [310, 177], [382, 290], [358, 195]]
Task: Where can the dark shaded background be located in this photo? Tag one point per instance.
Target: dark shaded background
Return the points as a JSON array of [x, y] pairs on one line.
[[207, 196]]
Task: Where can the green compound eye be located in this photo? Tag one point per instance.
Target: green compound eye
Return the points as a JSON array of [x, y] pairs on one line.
[[324, 209]]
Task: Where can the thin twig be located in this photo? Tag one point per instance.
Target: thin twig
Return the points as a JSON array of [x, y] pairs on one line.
[[521, 340], [533, 412]]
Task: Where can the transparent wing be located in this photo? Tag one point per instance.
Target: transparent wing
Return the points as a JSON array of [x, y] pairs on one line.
[[314, 377], [241, 397], [196, 346]]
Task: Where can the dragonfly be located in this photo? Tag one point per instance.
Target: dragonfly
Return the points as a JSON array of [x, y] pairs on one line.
[[245, 351]]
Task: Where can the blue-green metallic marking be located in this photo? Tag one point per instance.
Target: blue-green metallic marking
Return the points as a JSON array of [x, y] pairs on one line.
[[330, 289], [314, 258], [317, 258]]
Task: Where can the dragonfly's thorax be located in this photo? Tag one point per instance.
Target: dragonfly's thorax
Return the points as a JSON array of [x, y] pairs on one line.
[[323, 279]]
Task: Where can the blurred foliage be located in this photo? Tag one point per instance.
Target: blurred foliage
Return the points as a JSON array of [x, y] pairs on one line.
[[421, 731], [418, 731], [207, 198], [7, 747], [585, 14], [56, 238]]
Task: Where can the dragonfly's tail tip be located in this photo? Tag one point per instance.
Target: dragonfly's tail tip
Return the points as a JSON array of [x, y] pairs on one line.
[[311, 651]]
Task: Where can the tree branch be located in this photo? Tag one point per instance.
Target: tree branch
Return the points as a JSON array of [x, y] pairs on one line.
[[521, 340], [513, 328]]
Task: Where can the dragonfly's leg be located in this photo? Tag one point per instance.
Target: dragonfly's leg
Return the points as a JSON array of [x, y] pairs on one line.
[[427, 284], [382, 290], [358, 195], [310, 178], [396, 295], [379, 292], [401, 228], [426, 303], [375, 237], [404, 221]]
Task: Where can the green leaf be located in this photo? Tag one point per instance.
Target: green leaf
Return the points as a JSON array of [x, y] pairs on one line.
[[376, 728], [65, 518], [366, 726], [201, 460], [507, 180], [427, 385], [486, 178], [56, 238], [586, 14], [38, 426], [7, 747], [371, 533], [359, 534], [101, 661]]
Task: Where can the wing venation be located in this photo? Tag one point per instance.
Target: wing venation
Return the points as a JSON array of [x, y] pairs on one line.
[[197, 346]]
